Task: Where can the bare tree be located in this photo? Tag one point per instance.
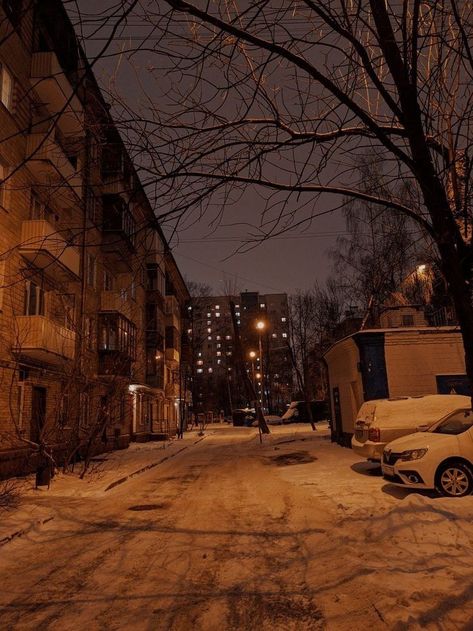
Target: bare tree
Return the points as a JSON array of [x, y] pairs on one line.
[[283, 97], [313, 317], [380, 249]]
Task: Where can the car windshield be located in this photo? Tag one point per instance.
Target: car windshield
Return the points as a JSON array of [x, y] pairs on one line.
[[455, 424]]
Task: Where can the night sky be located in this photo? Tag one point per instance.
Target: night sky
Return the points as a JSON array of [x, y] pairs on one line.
[[203, 251]]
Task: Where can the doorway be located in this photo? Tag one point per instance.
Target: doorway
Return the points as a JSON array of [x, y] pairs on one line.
[[38, 413]]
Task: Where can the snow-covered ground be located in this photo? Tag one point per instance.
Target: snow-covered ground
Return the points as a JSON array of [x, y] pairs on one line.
[[225, 533]]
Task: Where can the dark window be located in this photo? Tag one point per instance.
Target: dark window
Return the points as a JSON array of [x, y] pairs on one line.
[[408, 320], [13, 10], [112, 160], [34, 299], [456, 423], [117, 217]]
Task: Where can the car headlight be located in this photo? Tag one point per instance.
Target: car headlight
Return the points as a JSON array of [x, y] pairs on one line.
[[413, 454]]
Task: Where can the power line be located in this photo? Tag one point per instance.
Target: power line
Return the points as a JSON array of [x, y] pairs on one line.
[[222, 271]]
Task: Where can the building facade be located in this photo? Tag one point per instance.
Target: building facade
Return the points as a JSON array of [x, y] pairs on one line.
[[82, 260], [216, 373], [403, 360]]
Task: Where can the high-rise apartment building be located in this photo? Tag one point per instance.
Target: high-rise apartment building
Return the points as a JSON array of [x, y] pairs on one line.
[[217, 383], [89, 289]]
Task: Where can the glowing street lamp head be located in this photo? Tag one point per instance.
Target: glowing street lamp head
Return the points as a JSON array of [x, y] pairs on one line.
[[258, 375], [252, 354], [260, 325]]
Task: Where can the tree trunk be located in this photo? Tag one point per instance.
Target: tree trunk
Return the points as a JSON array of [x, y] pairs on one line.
[[458, 280]]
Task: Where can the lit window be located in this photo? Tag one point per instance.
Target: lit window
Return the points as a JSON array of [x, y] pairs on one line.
[[229, 369], [219, 346], [218, 337], [283, 319], [199, 354], [229, 352], [209, 337], [217, 307], [189, 308], [211, 369], [284, 334], [217, 315], [237, 313], [219, 361], [200, 370], [228, 337], [274, 335], [219, 353], [237, 306], [6, 87], [209, 315], [209, 330], [262, 305], [238, 321], [209, 322], [200, 362], [189, 330]]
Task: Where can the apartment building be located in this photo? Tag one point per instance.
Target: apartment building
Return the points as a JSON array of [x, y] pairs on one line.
[[83, 262], [217, 385]]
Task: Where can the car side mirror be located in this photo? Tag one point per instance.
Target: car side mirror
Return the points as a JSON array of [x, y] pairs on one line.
[[422, 428]]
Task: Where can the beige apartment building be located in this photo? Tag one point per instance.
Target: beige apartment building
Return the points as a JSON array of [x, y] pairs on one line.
[[90, 296]]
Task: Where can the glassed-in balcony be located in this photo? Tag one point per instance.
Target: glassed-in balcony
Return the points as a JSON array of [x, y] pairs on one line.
[[46, 247], [55, 90], [172, 310], [40, 338]]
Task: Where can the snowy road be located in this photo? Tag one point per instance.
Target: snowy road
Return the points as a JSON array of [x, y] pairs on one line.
[[231, 535]]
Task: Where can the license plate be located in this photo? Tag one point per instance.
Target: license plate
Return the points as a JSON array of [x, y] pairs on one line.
[[388, 469]]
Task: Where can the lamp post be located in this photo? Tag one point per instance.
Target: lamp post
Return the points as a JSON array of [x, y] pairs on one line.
[[252, 356], [260, 327]]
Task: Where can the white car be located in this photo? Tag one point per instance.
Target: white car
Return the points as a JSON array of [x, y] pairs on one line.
[[381, 421], [440, 458]]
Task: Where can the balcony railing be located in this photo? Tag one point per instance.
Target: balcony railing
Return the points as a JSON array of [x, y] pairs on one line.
[[43, 340], [171, 355], [50, 165], [44, 246], [172, 390], [54, 89]]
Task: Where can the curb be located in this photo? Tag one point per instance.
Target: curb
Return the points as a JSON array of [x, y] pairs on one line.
[[24, 531], [148, 467]]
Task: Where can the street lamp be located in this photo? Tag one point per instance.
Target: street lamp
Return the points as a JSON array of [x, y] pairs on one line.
[[260, 327]]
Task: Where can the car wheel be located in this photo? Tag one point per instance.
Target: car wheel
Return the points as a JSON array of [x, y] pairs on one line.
[[455, 479]]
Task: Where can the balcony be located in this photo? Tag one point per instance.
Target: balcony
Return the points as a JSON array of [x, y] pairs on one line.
[[55, 90], [172, 355], [43, 340], [115, 300], [173, 312], [46, 248], [50, 165], [118, 233], [172, 390]]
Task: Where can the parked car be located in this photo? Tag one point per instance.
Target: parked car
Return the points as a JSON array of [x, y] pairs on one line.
[[440, 458], [243, 417], [380, 421], [297, 412]]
